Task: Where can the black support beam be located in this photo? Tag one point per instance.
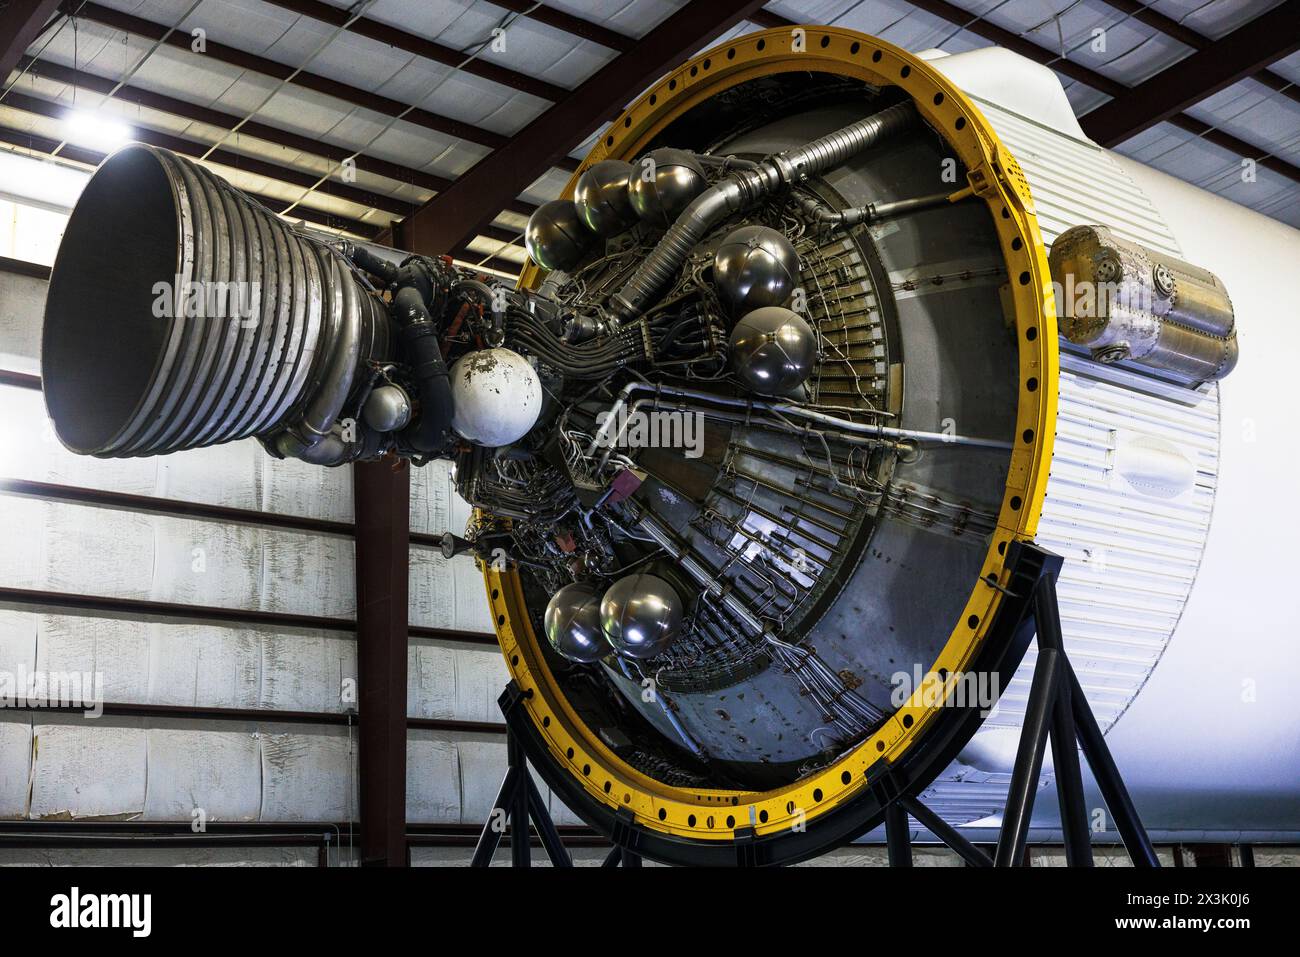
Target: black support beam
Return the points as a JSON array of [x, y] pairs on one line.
[[382, 499], [422, 47], [1242, 53], [21, 22], [1185, 35]]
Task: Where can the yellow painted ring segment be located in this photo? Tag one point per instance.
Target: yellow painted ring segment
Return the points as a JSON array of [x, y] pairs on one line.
[[994, 176]]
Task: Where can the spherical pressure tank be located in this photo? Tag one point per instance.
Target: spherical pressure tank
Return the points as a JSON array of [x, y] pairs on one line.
[[496, 397], [557, 236], [755, 266], [602, 198], [772, 350], [640, 615], [572, 623], [663, 184]]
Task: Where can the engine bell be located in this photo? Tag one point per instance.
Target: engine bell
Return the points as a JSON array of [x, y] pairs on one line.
[[664, 182], [640, 615], [496, 397], [602, 198], [772, 350], [572, 623], [556, 236], [755, 266]]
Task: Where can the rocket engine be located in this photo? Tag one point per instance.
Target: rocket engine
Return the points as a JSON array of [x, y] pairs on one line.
[[756, 433]]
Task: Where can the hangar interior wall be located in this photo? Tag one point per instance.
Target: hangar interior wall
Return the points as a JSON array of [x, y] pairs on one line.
[[290, 768]]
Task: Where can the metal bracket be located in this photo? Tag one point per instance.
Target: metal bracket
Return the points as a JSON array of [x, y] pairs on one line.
[[1057, 707]]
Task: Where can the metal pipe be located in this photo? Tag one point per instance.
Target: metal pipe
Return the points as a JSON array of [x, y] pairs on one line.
[[742, 189]]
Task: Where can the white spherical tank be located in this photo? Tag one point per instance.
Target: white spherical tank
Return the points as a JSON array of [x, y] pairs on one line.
[[496, 397]]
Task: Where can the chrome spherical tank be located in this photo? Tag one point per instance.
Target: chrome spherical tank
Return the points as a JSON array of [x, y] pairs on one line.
[[664, 182], [755, 266], [601, 196], [772, 350], [572, 623], [387, 409], [640, 615], [496, 397], [556, 236]]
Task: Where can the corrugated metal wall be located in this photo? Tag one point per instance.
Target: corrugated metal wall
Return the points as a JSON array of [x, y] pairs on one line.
[[195, 623]]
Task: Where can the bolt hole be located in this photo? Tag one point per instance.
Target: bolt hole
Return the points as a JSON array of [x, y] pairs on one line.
[[586, 770], [1031, 333], [1016, 502], [961, 123], [1024, 278], [817, 794], [876, 57], [663, 813], [731, 821], [1032, 385], [826, 41], [608, 786], [905, 72], [1028, 435], [907, 720], [938, 98], [546, 721], [855, 47], [514, 659], [846, 777], [880, 745], [973, 621], [761, 45], [569, 753], [731, 54], [690, 821], [496, 593]]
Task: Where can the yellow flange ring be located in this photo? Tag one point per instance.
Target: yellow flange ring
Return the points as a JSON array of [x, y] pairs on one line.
[[715, 815]]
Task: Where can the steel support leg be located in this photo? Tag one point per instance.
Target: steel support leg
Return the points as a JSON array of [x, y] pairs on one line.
[[1065, 754], [945, 832], [1108, 779], [1033, 739], [520, 835], [489, 838], [897, 835], [555, 849]]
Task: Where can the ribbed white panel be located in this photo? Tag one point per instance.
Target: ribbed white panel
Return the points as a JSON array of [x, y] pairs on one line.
[[1130, 557]]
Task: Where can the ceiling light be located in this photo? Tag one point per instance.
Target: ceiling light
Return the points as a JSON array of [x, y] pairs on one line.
[[96, 130]]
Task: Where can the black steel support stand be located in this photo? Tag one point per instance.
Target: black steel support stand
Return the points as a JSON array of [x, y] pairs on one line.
[[1057, 709], [518, 802]]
